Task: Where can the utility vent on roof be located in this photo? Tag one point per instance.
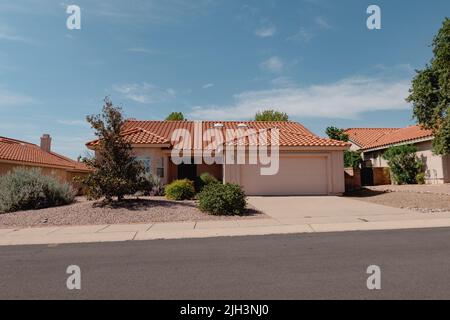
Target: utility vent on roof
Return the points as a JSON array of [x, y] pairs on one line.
[[242, 126], [218, 125]]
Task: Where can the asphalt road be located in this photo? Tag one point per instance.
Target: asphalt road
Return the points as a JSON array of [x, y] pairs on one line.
[[415, 264]]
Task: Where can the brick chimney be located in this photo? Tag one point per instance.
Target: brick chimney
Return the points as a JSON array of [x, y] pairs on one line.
[[46, 143]]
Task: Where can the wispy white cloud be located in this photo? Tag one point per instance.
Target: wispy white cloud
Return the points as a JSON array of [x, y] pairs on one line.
[[302, 35], [80, 123], [283, 82], [145, 93], [7, 34], [273, 64], [344, 99], [14, 99], [208, 85], [323, 23], [143, 50], [266, 31]]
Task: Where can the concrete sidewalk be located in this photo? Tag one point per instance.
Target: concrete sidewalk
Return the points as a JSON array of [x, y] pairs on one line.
[[180, 230]]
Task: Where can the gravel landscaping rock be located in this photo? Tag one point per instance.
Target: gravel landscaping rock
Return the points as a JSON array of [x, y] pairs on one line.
[[418, 201], [144, 210]]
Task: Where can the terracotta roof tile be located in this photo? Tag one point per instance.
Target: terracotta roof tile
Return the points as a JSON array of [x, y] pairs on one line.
[[292, 134], [369, 138], [401, 136], [20, 151]]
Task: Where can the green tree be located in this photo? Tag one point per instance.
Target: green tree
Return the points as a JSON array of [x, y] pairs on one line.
[[352, 159], [430, 92], [337, 134], [116, 172], [271, 115], [175, 116], [404, 164]]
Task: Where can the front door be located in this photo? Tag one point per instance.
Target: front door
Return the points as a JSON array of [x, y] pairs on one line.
[[187, 171]]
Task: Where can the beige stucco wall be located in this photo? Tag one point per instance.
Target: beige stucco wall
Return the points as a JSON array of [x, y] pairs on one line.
[[155, 153], [354, 147], [232, 173], [434, 165]]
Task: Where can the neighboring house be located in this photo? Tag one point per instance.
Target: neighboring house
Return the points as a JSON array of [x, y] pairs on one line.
[[373, 142], [308, 165], [16, 153]]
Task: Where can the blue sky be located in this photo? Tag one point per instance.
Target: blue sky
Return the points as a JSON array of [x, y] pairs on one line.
[[211, 59]]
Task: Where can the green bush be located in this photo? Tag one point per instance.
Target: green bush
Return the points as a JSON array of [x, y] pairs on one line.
[[26, 189], [204, 180], [404, 164], [420, 178], [180, 190], [222, 199]]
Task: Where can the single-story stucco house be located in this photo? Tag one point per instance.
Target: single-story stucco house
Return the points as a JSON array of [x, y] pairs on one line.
[[15, 153], [308, 164], [373, 142]]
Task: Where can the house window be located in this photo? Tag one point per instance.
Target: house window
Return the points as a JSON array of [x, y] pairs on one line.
[[146, 163], [160, 168]]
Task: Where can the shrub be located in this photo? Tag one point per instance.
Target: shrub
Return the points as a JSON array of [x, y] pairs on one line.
[[352, 159], [204, 180], [420, 178], [404, 164], [180, 190], [222, 199], [25, 189]]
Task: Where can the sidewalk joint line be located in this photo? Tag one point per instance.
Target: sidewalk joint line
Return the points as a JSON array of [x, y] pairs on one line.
[[103, 228]]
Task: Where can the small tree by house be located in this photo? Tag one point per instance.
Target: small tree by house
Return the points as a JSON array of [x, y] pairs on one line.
[[404, 164], [271, 115], [352, 159], [116, 173], [176, 116], [337, 134], [430, 92]]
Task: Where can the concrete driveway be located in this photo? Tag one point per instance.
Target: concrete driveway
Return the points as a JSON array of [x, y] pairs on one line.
[[328, 210]]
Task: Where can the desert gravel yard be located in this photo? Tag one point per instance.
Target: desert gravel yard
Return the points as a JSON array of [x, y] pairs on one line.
[[144, 210], [418, 201]]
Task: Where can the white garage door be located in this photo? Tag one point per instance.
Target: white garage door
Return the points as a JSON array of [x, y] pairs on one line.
[[297, 176]]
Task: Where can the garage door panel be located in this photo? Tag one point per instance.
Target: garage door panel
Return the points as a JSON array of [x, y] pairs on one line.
[[297, 176]]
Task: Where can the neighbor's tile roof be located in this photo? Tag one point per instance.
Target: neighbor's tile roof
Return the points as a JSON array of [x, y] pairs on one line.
[[160, 132], [370, 138], [28, 153], [367, 136]]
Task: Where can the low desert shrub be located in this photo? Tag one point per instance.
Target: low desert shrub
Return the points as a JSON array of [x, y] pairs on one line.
[[180, 190], [27, 189], [404, 164], [222, 199], [204, 180], [420, 178]]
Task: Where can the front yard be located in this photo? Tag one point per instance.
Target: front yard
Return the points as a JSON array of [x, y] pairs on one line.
[[427, 199], [144, 210]]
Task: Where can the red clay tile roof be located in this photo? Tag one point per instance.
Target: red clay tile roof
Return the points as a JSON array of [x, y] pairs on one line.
[[370, 138], [28, 153], [367, 136], [292, 134], [137, 136]]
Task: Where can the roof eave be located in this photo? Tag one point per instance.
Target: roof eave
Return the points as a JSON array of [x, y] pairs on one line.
[[386, 146]]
